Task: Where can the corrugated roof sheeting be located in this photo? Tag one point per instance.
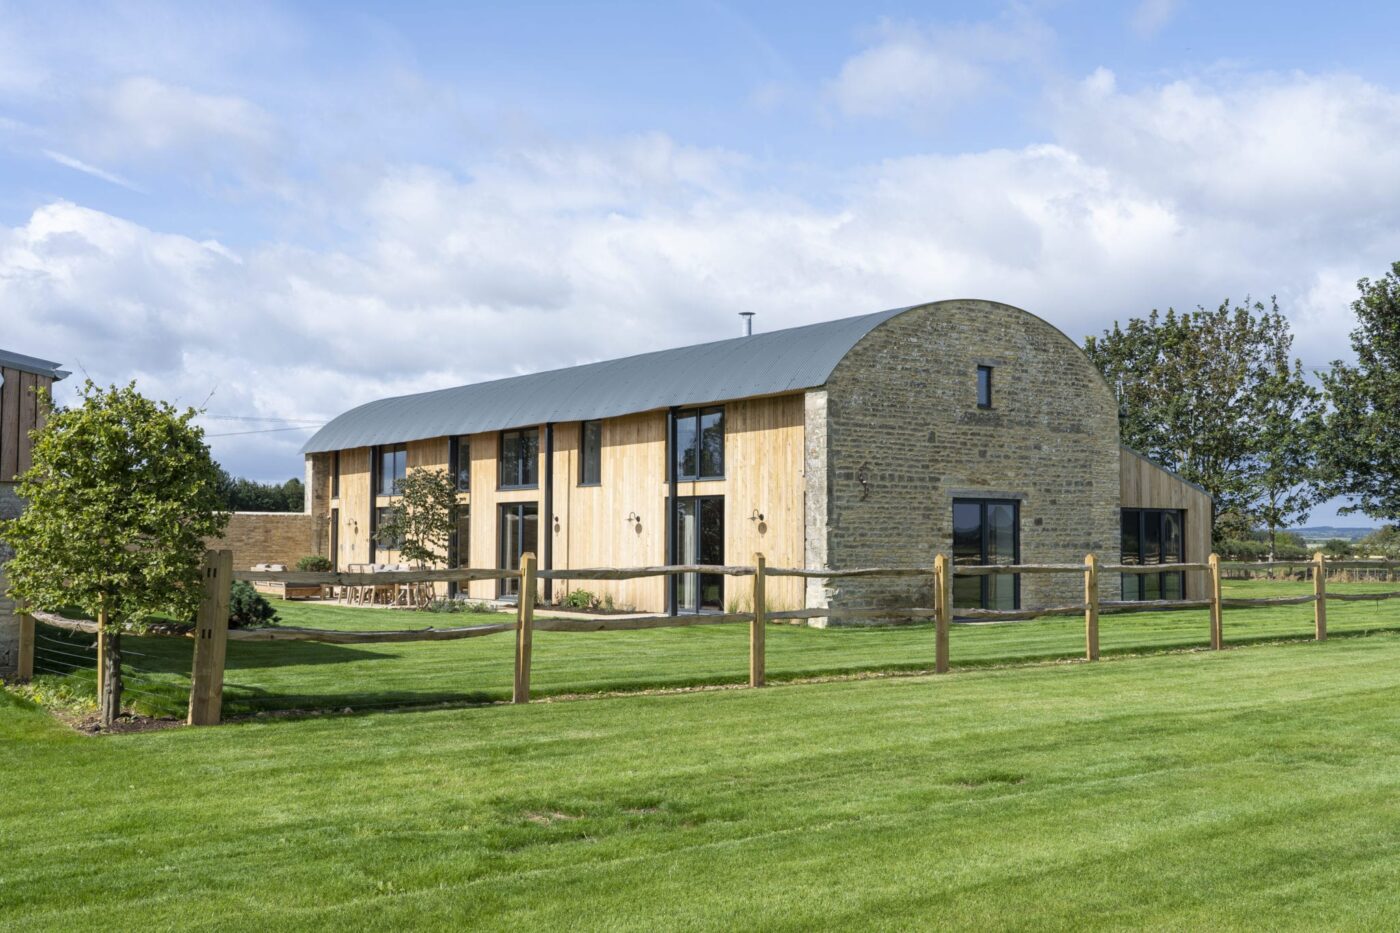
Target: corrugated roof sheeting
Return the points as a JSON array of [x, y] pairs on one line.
[[763, 364], [31, 364]]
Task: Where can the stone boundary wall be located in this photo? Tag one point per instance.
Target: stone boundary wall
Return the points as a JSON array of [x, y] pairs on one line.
[[268, 538]]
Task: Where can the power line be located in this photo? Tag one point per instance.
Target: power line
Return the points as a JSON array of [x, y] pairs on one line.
[[261, 418], [304, 427]]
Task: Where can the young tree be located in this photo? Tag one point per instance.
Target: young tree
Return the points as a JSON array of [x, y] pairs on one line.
[[421, 523], [1212, 395], [1288, 425], [121, 493], [1362, 453]]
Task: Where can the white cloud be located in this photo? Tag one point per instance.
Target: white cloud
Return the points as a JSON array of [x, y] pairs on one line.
[[79, 165], [915, 72], [547, 255], [1151, 16], [144, 115]]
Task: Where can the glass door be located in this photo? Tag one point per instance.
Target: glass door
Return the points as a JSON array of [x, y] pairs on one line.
[[1151, 537], [699, 524], [520, 531], [986, 531]]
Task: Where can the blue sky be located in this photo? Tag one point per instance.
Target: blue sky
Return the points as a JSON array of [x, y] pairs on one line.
[[290, 209]]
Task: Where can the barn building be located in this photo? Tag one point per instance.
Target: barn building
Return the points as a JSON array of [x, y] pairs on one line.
[[966, 427]]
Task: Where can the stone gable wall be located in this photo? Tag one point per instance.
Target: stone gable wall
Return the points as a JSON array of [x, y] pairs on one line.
[[905, 437]]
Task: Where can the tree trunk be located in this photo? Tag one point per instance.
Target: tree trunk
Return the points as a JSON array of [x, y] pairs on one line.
[[109, 701]]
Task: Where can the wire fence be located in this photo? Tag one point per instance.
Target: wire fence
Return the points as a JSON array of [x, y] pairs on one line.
[[363, 659]]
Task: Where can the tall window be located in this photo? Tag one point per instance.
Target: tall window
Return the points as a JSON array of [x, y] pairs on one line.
[[984, 387], [459, 456], [393, 467], [699, 539], [986, 531], [1153, 536], [335, 474], [520, 533], [700, 444], [590, 461], [520, 458], [382, 515]]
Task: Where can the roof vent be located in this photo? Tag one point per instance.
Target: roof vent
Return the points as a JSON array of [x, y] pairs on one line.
[[748, 322]]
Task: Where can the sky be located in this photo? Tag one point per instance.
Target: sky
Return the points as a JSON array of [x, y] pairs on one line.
[[275, 212]]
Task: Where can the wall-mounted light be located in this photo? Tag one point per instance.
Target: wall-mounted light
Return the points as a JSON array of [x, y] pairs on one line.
[[757, 516], [632, 518]]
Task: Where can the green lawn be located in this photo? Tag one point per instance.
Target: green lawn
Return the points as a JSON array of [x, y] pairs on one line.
[[304, 675], [1249, 788]]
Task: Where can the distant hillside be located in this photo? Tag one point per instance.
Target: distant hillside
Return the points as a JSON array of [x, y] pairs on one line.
[[1315, 533]]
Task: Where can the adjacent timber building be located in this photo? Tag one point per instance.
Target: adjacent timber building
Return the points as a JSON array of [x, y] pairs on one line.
[[22, 410], [970, 428]]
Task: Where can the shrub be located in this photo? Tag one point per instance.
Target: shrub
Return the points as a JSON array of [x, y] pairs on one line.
[[247, 608], [580, 599], [459, 605], [314, 563]]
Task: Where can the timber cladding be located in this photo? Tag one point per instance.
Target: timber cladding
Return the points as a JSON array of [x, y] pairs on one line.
[[1145, 485], [20, 413], [906, 436]]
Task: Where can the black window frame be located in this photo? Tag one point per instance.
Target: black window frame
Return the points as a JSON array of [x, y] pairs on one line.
[[379, 453], [335, 474], [984, 580], [1133, 586], [457, 446], [697, 416], [518, 481], [379, 511], [984, 386], [504, 585], [585, 456], [459, 557], [703, 504]]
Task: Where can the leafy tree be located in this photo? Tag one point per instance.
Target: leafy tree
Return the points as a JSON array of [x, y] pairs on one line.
[[1337, 548], [421, 523], [1288, 425], [1213, 396], [1362, 453], [245, 495], [1383, 542], [122, 493]]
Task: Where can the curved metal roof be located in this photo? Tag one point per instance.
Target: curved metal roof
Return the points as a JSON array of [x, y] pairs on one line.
[[763, 364]]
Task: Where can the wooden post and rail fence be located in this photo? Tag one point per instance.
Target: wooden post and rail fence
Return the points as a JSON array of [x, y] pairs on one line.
[[211, 633]]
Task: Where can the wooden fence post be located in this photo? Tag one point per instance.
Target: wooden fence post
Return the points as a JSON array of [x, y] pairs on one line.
[[26, 643], [757, 633], [1091, 607], [1217, 625], [211, 640], [1320, 592], [524, 625], [942, 612]]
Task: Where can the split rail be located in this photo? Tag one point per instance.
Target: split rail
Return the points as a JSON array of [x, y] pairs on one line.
[[211, 633]]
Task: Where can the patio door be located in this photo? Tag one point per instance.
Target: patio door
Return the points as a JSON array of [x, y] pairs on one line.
[[986, 531], [699, 524], [520, 533]]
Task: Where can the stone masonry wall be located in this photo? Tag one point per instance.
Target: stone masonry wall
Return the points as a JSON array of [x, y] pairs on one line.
[[905, 437], [268, 538], [10, 507]]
